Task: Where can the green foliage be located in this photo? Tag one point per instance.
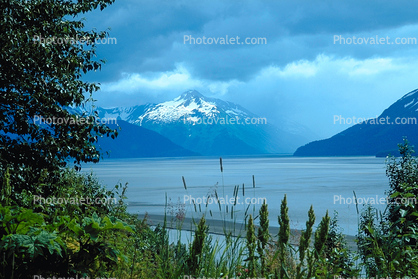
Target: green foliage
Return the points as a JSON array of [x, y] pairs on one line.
[[321, 235], [304, 243], [251, 247], [370, 243], [6, 189], [92, 237], [388, 242], [403, 170], [104, 240], [318, 263], [27, 243], [73, 185], [337, 252], [284, 234], [284, 230], [41, 79], [73, 240], [197, 248], [263, 236]]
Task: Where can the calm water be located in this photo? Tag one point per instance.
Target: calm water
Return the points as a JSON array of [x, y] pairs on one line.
[[305, 181]]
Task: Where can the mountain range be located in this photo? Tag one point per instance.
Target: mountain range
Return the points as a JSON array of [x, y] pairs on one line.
[[136, 142], [207, 126], [378, 137]]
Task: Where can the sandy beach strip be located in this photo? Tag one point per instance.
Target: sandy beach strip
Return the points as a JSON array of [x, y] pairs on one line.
[[220, 227]]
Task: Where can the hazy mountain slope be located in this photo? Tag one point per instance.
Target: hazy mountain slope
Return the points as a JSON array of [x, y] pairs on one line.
[[135, 142], [372, 139]]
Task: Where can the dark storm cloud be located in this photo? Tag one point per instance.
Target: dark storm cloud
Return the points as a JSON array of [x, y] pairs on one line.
[[299, 70], [147, 32]]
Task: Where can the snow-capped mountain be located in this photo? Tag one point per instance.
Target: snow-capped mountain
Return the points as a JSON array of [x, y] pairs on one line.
[[190, 107], [379, 136], [186, 106], [209, 126]]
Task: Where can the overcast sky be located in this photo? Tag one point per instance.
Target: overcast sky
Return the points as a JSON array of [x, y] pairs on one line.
[[299, 73]]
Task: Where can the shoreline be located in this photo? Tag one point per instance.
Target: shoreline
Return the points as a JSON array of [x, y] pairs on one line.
[[217, 227]]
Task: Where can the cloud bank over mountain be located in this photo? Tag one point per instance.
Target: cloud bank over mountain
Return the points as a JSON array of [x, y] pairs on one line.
[[300, 73]]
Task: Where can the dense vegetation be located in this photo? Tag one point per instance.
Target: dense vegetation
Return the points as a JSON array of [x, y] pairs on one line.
[[103, 240], [63, 237]]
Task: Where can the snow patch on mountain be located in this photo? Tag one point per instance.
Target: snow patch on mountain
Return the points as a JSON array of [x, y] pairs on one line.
[[235, 111], [122, 113], [408, 104], [172, 111], [190, 106], [410, 94]]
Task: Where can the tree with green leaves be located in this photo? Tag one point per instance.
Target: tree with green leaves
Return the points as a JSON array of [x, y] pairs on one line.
[[337, 252], [388, 243], [403, 192], [44, 52]]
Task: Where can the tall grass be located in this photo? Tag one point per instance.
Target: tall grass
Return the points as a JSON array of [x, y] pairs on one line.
[[248, 250]]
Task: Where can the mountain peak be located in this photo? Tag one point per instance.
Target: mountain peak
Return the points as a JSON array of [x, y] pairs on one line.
[[191, 94], [204, 125]]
